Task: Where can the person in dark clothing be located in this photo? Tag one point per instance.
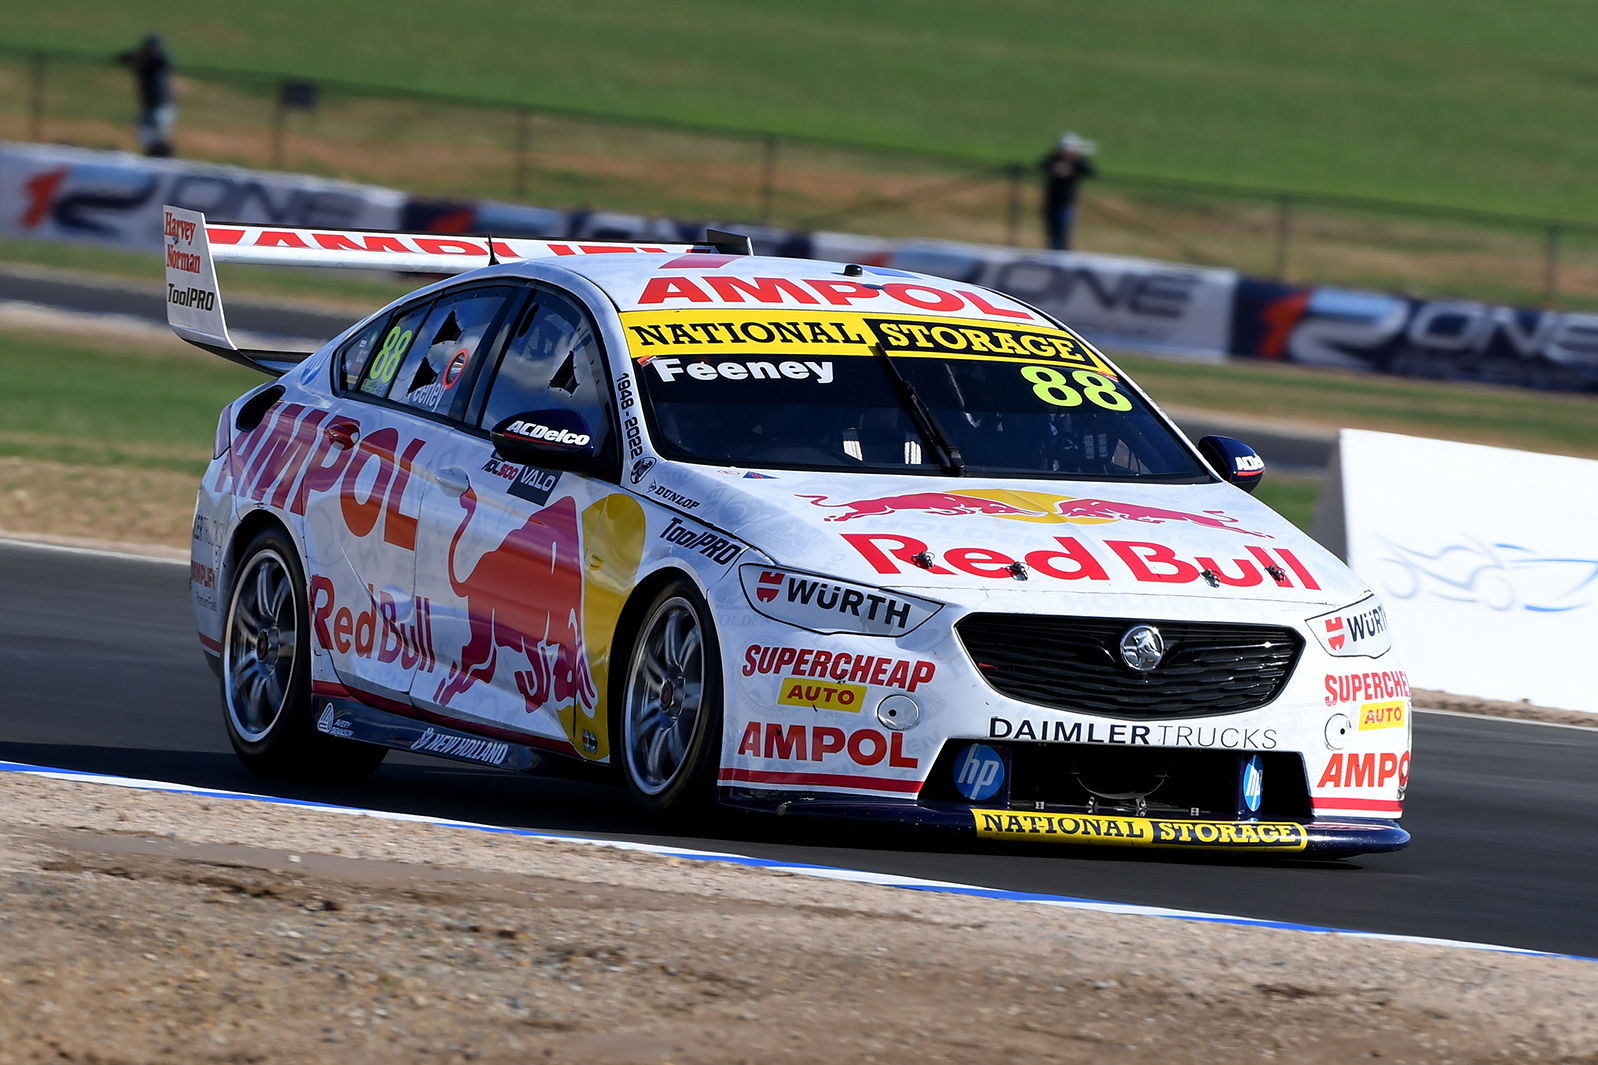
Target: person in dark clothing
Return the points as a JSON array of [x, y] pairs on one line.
[[1068, 164], [152, 69]]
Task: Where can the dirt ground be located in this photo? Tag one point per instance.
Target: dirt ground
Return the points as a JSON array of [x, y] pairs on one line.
[[165, 928]]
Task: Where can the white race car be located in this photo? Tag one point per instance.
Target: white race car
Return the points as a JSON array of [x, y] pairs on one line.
[[794, 536]]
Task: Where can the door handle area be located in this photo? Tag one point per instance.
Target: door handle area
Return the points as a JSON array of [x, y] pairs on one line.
[[343, 434], [453, 479]]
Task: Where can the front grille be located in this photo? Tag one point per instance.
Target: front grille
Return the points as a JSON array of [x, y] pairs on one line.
[[1075, 664]]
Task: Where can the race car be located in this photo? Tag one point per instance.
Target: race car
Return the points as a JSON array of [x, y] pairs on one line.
[[794, 536]]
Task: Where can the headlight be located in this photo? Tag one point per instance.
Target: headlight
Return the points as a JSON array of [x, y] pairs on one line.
[[824, 605], [1358, 630]]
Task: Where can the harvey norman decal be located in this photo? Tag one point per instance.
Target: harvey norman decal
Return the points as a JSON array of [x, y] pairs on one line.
[[1139, 831]]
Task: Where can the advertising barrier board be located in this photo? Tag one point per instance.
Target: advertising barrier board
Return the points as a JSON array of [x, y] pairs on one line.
[[1486, 559], [54, 193]]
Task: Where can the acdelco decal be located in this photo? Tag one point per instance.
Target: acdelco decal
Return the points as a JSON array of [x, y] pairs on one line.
[[1073, 560], [375, 632], [1366, 687], [1368, 770], [902, 673], [1357, 631], [780, 291], [1139, 831], [819, 743]]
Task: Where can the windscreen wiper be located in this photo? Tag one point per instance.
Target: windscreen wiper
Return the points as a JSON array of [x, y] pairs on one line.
[[927, 425]]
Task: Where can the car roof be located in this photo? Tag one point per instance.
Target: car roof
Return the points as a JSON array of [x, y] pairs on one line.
[[670, 281]]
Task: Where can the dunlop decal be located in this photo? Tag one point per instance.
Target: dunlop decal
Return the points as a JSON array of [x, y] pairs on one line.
[[1139, 831]]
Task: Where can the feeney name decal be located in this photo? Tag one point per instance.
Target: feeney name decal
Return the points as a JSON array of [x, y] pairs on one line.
[[1074, 561], [814, 743], [1140, 831], [375, 631], [1369, 770], [905, 674]]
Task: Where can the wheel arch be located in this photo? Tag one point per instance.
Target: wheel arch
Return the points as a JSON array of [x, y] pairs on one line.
[[626, 631]]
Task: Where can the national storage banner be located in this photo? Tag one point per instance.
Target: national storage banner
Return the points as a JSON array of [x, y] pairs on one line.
[[54, 193], [1485, 558]]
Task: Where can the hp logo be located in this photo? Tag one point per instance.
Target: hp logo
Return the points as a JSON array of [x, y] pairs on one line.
[[979, 772]]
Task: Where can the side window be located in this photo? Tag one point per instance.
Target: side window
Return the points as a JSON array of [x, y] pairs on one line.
[[382, 364], [445, 349], [552, 360], [356, 352]]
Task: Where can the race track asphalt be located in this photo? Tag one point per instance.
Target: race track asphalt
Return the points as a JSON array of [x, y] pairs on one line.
[[100, 671]]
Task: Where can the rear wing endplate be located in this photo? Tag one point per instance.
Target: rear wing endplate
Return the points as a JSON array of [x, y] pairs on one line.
[[194, 246]]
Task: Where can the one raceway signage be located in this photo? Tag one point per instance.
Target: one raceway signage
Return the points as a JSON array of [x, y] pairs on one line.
[[55, 193], [1454, 340]]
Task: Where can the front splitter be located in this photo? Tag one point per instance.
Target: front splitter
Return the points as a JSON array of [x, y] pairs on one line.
[[1316, 839]]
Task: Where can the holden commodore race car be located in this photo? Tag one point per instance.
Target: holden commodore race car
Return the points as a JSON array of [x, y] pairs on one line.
[[791, 536]]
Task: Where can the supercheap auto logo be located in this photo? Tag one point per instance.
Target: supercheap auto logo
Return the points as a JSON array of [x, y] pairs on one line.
[[731, 333]]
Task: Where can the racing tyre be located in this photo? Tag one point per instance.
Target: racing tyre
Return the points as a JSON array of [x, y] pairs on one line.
[[670, 727], [266, 672]]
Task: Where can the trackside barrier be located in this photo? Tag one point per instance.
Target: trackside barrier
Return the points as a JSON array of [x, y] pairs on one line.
[[55, 193], [1484, 558]]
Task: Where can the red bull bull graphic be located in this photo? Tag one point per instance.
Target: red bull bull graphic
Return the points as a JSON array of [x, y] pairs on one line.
[[1072, 560], [1028, 506], [523, 596]]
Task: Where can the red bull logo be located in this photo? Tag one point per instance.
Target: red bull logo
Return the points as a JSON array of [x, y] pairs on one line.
[[524, 597], [1027, 506]]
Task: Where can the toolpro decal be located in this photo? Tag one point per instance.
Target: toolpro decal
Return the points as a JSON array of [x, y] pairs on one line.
[[1357, 631], [906, 674], [828, 606], [712, 545], [1139, 831], [1073, 560], [1027, 506]]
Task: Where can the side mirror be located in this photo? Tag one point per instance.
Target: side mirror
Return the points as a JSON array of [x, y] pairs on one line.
[[1234, 460], [548, 439]]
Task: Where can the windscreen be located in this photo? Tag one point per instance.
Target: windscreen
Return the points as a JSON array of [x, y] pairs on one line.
[[816, 390]]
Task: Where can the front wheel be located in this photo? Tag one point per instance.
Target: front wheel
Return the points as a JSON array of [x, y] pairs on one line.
[[266, 672], [670, 732]]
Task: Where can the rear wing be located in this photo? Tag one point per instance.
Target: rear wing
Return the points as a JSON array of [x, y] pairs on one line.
[[194, 247]]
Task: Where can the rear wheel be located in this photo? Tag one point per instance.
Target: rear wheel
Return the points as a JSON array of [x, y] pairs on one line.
[[266, 672], [670, 729]]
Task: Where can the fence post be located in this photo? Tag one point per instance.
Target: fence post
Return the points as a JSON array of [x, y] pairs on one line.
[[1551, 265], [523, 140], [279, 120], [1284, 228], [1013, 219], [36, 106], [768, 180]]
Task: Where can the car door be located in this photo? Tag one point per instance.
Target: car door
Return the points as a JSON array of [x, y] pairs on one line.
[[360, 500], [509, 568]]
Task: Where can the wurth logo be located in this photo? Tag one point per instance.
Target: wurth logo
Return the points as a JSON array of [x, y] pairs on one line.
[[1358, 630], [768, 586]]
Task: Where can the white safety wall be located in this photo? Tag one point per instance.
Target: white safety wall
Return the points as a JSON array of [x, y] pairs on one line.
[[1487, 559]]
